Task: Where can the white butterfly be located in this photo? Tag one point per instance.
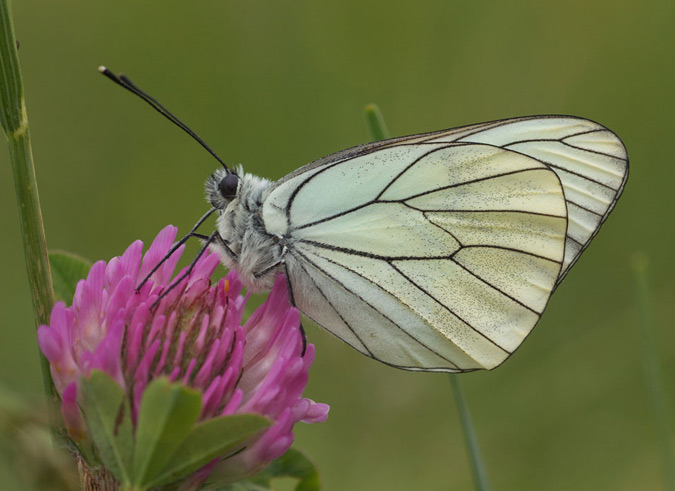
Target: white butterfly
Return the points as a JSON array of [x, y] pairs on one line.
[[433, 252]]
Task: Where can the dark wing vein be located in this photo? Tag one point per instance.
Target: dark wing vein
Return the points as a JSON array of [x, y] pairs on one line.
[[331, 217], [370, 304], [370, 255], [472, 181], [484, 281], [584, 208], [447, 308], [450, 210], [574, 240], [513, 250], [564, 169], [320, 290], [547, 164], [424, 214], [412, 164], [403, 200], [597, 152]]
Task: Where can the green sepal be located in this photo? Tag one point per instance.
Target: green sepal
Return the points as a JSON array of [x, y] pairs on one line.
[[67, 270], [239, 486], [108, 417], [216, 437], [293, 464]]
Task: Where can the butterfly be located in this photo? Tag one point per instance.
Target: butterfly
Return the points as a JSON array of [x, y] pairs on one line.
[[431, 252]]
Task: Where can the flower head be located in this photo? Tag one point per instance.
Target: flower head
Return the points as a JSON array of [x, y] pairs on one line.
[[194, 335]]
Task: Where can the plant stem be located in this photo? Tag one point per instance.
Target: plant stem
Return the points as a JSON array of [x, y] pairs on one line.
[[15, 123], [652, 366], [378, 131], [98, 479], [477, 465]]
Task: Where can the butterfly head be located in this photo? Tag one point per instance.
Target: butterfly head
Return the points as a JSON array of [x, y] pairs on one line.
[[222, 187]]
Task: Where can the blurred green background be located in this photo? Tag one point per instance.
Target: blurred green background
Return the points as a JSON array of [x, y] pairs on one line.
[[274, 85]]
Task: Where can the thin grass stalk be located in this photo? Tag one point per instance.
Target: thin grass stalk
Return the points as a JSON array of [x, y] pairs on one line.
[[478, 469], [652, 366], [15, 124], [378, 131]]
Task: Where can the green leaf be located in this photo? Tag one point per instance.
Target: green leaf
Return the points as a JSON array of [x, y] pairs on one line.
[[67, 270], [167, 414], [293, 464], [108, 418], [209, 440]]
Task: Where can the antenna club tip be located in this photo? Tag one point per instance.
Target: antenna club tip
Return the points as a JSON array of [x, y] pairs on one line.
[[102, 69]]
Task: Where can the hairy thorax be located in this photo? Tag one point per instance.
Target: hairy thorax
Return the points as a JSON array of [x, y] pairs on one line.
[[253, 253]]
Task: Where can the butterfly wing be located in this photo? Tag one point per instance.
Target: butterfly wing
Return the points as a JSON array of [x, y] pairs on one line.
[[589, 159], [430, 252]]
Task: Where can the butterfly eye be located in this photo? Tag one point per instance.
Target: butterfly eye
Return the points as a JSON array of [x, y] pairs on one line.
[[228, 186]]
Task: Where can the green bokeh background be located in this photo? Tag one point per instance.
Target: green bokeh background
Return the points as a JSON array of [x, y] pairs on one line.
[[274, 85]]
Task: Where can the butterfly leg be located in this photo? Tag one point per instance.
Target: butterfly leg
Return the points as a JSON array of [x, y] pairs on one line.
[[291, 299], [268, 269], [304, 339], [187, 272], [233, 255], [175, 247]]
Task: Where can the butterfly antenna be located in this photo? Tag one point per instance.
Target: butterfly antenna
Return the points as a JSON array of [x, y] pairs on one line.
[[124, 82]]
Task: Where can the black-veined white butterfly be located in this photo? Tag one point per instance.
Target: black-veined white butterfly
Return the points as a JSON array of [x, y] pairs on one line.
[[432, 252]]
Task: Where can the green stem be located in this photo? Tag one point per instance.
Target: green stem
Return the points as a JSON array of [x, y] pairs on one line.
[[378, 131], [477, 465], [15, 123], [652, 366]]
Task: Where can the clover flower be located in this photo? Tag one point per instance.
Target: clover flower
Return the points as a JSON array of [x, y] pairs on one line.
[[193, 336]]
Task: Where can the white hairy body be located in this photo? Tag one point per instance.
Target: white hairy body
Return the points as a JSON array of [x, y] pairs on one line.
[[258, 255]]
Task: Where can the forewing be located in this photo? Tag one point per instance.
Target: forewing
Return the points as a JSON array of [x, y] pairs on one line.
[[426, 256], [589, 159]]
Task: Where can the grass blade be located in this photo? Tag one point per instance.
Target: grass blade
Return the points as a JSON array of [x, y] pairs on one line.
[[378, 131], [652, 366], [475, 458]]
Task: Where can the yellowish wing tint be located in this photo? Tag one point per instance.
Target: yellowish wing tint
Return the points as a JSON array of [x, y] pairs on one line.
[[590, 160], [439, 252]]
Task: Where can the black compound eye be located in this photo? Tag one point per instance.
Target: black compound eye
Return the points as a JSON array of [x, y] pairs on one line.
[[228, 186]]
